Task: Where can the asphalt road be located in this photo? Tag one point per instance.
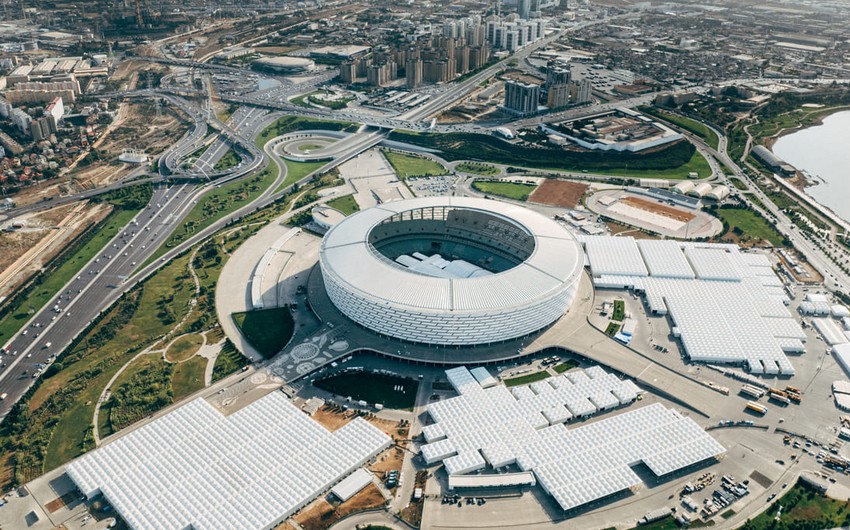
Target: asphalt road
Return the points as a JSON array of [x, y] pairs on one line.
[[98, 284]]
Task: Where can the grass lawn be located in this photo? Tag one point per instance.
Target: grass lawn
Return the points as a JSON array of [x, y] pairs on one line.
[[309, 147], [372, 388], [213, 206], [296, 171], [54, 281], [227, 362], [288, 124], [750, 225], [229, 160], [305, 100], [564, 366], [802, 508], [268, 330], [188, 377], [407, 166], [619, 310], [510, 190], [612, 329], [477, 168], [346, 204], [526, 379], [184, 347]]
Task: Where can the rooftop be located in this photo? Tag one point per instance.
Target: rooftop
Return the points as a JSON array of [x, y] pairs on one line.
[[196, 468]]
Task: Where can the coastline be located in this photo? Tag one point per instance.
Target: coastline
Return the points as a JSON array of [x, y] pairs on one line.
[[769, 141], [799, 185]]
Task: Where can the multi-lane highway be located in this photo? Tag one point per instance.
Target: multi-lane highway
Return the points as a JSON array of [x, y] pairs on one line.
[[98, 284]]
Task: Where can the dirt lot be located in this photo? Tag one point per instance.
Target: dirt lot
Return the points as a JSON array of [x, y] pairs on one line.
[[322, 514], [26, 250], [330, 419], [660, 209], [558, 193]]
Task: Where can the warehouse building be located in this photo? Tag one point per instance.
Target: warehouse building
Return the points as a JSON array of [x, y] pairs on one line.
[[726, 306], [498, 429], [196, 468]]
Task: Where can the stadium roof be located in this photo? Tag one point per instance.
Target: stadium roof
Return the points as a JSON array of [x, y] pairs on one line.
[[557, 259], [196, 468]]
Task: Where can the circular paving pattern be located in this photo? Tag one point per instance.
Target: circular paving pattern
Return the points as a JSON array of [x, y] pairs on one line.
[[339, 346], [305, 368], [304, 352]]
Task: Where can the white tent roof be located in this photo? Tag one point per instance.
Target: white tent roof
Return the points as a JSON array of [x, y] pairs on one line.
[[728, 305], [576, 465], [251, 469]]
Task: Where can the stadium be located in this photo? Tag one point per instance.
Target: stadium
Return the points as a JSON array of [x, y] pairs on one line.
[[284, 65], [451, 271]]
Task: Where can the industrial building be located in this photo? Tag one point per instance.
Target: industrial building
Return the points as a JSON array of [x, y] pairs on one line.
[[773, 162], [197, 468], [621, 130], [725, 305], [523, 429], [451, 270]]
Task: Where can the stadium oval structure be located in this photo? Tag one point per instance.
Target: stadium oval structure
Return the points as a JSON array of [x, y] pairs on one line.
[[509, 271]]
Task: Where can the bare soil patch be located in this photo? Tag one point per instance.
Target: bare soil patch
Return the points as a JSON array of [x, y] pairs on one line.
[[660, 209], [322, 514], [332, 420], [559, 193]]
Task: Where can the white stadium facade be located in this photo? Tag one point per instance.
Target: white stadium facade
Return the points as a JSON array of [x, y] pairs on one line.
[[451, 270]]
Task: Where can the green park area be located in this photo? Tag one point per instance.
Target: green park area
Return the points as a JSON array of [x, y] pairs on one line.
[[228, 361], [746, 225], [188, 377], [693, 126], [391, 391], [288, 124], [184, 347], [315, 98], [407, 166], [296, 171], [672, 161], [477, 168], [33, 296], [510, 190], [268, 330], [229, 160], [345, 204], [527, 379]]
